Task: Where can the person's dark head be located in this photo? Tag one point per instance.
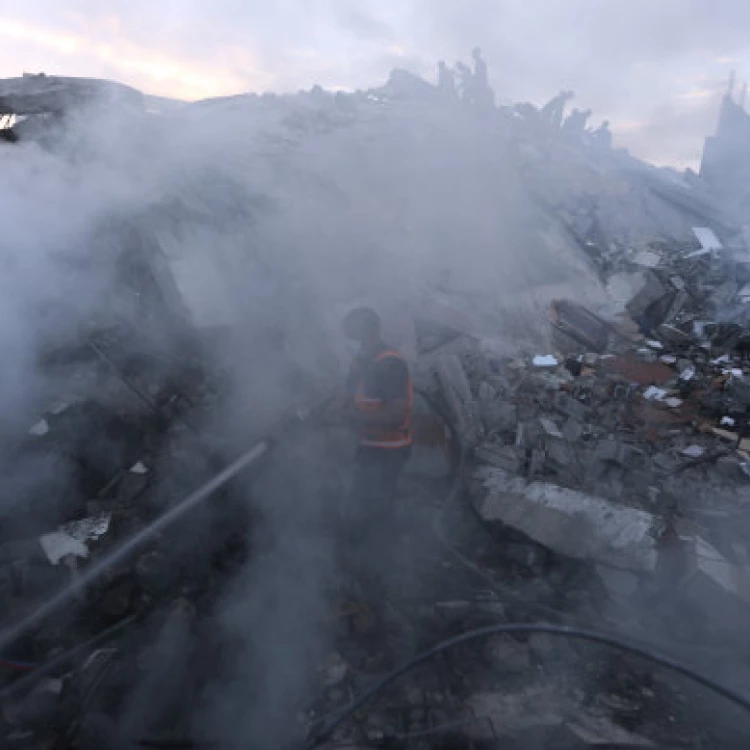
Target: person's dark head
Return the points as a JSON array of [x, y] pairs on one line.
[[364, 326]]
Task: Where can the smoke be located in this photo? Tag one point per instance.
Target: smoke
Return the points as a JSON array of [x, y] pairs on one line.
[[262, 220]]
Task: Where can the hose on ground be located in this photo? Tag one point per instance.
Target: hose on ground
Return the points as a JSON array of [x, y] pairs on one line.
[[523, 629]]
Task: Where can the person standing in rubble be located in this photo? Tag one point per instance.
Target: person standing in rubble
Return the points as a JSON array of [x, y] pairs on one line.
[[483, 93], [602, 136], [554, 111], [575, 124], [379, 399], [446, 81], [465, 83]]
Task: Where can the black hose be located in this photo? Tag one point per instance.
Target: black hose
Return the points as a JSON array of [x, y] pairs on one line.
[[515, 629]]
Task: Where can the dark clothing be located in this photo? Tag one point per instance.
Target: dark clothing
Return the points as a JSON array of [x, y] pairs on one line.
[[378, 469], [373, 517], [385, 380], [375, 524], [376, 475]]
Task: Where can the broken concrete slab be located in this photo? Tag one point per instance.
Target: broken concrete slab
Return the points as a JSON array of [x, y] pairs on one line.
[[652, 292], [569, 522], [580, 325]]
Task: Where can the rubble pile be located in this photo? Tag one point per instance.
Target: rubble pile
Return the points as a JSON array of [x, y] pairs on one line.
[[608, 472], [634, 457], [114, 438]]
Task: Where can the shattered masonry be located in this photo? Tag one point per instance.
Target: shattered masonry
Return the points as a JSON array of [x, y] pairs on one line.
[[602, 422]]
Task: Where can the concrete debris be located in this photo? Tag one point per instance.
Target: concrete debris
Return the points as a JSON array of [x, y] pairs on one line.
[[614, 446], [574, 324], [512, 713], [601, 730], [570, 522], [58, 545], [694, 451], [655, 394], [707, 238], [545, 360], [40, 429], [647, 258], [611, 469]]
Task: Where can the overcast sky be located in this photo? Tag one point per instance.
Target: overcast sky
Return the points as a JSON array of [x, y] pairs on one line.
[[656, 68]]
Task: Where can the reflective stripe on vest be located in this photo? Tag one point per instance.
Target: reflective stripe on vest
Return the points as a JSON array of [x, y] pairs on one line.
[[383, 437]]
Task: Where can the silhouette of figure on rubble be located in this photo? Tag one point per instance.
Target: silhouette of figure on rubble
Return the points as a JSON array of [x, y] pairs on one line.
[[465, 82], [484, 96], [575, 125], [446, 81], [554, 111], [602, 136]]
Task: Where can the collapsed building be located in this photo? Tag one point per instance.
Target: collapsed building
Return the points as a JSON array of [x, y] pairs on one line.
[[577, 326]]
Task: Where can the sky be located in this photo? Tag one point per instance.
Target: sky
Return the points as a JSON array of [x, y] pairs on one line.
[[655, 68]]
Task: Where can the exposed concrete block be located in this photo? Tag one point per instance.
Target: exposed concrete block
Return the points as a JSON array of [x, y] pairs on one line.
[[569, 522]]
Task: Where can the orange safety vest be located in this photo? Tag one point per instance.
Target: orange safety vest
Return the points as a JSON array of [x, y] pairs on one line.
[[377, 436]]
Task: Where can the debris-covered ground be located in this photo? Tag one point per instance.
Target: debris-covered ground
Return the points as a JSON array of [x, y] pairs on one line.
[[577, 327]]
